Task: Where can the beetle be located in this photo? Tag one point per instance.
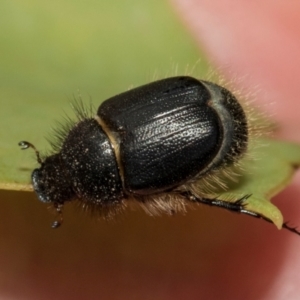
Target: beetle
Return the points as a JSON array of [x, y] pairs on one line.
[[154, 144]]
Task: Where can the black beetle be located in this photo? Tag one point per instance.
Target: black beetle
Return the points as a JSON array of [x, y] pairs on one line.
[[152, 144]]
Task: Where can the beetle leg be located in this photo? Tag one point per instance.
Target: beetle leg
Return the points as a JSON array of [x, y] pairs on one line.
[[237, 206], [59, 215]]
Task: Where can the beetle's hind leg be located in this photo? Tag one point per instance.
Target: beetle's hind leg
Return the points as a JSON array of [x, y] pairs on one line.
[[238, 206]]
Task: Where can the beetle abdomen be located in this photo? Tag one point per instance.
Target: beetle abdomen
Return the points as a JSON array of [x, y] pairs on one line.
[[167, 132]]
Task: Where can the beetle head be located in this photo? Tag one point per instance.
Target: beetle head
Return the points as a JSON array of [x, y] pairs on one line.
[[51, 183]]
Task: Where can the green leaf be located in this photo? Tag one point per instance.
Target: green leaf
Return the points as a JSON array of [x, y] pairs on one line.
[[269, 170], [51, 49]]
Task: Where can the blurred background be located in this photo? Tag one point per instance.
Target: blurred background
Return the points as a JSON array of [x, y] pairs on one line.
[[53, 51]]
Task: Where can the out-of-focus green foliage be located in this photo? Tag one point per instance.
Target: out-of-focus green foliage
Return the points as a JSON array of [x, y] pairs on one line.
[[52, 50]]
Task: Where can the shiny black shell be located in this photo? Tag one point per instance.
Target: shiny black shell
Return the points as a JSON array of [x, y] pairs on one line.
[[148, 140], [167, 132]]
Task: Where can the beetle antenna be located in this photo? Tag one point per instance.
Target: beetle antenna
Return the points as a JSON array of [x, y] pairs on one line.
[[59, 215], [237, 206], [25, 145]]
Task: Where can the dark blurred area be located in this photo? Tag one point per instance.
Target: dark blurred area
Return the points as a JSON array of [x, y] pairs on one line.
[[133, 257]]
